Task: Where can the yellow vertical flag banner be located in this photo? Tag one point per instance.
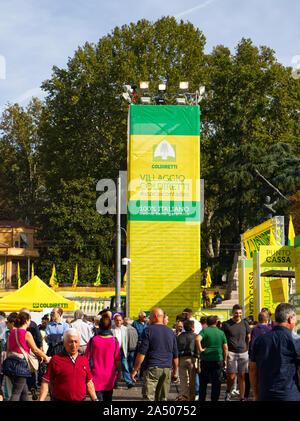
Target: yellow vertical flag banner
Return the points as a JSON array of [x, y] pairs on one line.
[[208, 279], [32, 270], [164, 208], [19, 276], [272, 238], [246, 286], [98, 278], [291, 235], [75, 279], [297, 276], [53, 280]]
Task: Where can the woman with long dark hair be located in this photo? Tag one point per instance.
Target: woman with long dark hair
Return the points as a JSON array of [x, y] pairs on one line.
[[103, 353], [18, 368]]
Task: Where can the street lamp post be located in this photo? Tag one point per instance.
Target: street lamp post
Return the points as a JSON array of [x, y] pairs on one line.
[[118, 247]]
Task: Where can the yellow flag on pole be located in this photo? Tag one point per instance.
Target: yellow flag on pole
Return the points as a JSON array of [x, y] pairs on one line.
[[32, 270], [53, 280], [75, 279], [272, 238], [98, 279], [19, 276], [208, 279], [291, 236]]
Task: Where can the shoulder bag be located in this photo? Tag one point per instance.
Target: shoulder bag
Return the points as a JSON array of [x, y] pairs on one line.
[[31, 358]]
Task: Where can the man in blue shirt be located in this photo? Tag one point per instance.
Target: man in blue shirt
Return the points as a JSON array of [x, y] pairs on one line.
[[275, 360], [55, 331], [159, 351], [140, 325]]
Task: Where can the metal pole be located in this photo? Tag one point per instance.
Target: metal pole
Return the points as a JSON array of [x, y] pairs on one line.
[[127, 283], [28, 269], [118, 247], [258, 285], [243, 265]]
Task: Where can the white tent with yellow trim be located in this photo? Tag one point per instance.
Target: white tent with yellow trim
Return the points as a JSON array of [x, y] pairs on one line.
[[36, 295]]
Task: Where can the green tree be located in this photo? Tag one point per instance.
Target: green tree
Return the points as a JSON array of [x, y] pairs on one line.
[[86, 130], [239, 204], [21, 180], [73, 232], [251, 99], [251, 105]]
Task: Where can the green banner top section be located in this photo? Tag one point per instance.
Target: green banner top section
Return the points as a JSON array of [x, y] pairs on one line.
[[176, 120]]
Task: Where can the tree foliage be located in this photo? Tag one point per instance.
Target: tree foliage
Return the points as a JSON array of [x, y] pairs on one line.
[[53, 153], [72, 232], [21, 178], [87, 125], [294, 210]]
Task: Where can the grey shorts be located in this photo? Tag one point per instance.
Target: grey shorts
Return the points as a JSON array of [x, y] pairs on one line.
[[237, 362]]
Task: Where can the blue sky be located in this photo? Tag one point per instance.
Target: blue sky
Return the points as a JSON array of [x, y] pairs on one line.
[[37, 34]]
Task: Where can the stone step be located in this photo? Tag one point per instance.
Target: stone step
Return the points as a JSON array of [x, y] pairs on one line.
[[227, 304]]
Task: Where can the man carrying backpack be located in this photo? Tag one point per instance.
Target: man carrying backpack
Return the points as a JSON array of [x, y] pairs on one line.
[[188, 354]]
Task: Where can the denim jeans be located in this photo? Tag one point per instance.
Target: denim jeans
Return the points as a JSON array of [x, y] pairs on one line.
[[131, 359], [125, 368], [19, 389]]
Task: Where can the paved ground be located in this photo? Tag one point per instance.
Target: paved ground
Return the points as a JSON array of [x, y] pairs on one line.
[[135, 393], [122, 393]]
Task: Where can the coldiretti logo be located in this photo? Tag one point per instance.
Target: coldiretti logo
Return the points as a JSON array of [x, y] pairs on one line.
[[49, 305], [164, 152]]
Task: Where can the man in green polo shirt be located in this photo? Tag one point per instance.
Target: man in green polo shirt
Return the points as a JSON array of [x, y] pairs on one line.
[[212, 344]]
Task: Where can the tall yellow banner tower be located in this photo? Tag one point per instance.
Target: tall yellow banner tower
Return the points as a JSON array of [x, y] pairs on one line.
[[164, 208]]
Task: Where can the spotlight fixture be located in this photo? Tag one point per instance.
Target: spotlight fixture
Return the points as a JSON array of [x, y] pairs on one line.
[[145, 100], [144, 85], [182, 97], [180, 101], [184, 85], [160, 101], [162, 87]]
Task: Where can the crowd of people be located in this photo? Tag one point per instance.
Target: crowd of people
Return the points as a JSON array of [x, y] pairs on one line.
[[73, 359]]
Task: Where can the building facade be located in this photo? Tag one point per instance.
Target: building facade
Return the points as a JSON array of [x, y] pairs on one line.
[[17, 245]]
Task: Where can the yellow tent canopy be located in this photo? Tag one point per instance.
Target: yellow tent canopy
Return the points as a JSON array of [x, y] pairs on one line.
[[35, 295]]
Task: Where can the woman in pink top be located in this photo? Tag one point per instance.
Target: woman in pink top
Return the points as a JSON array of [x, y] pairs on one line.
[[19, 385], [103, 353]]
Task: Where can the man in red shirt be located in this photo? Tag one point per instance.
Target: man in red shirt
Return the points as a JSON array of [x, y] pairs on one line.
[[68, 372]]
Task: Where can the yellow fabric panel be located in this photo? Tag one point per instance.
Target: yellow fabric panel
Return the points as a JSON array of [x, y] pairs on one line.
[[172, 279]]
